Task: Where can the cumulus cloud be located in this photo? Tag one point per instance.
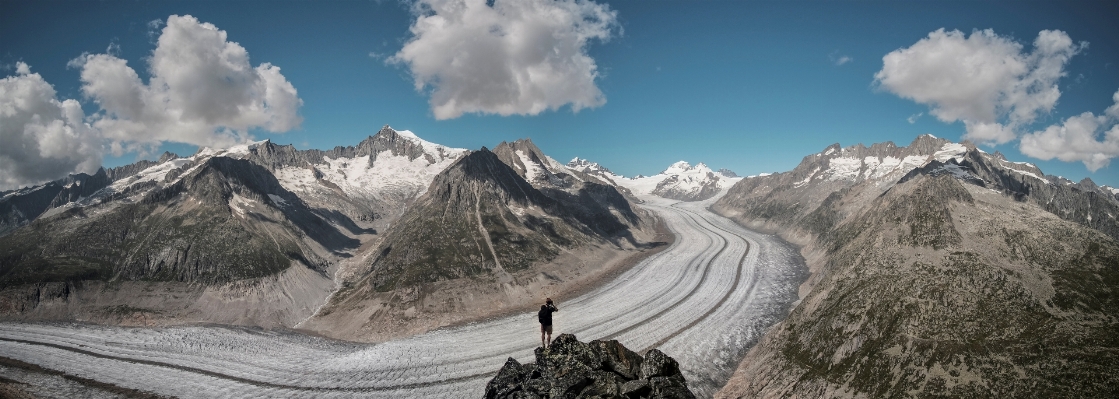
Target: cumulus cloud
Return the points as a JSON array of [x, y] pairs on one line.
[[1075, 139], [514, 57], [202, 91], [42, 138], [985, 80]]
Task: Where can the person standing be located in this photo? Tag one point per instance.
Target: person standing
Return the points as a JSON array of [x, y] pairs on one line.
[[545, 317]]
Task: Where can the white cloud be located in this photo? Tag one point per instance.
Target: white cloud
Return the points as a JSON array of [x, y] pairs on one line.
[[42, 138], [984, 80], [838, 59], [913, 118], [989, 132], [516, 57], [202, 91], [1075, 139]]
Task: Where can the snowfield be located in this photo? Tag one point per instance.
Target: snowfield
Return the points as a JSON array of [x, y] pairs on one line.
[[704, 301]]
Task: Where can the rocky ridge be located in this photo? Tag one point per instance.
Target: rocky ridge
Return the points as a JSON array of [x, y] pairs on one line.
[[480, 224], [912, 250], [598, 369]]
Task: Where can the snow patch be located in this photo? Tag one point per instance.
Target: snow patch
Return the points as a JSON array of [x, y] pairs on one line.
[[955, 170], [532, 169], [843, 168], [913, 162], [1030, 174], [807, 178], [389, 175], [950, 151], [429, 147]]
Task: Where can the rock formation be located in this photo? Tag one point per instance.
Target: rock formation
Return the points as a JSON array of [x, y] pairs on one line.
[[598, 369]]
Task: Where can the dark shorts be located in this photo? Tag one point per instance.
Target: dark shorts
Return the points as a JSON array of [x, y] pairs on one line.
[[546, 328]]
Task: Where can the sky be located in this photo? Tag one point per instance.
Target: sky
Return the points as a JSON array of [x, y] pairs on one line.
[[633, 85]]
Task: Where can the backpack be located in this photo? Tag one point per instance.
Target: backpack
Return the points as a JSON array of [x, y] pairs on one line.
[[541, 314]]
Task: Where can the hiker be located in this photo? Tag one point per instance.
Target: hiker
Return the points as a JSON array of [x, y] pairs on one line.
[[545, 317]]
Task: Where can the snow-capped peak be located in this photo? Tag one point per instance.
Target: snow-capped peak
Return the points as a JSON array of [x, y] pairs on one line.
[[428, 146], [681, 180], [238, 149], [677, 168], [585, 166]]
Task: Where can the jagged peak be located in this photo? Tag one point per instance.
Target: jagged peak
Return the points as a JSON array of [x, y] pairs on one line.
[[167, 156], [525, 145], [926, 142]]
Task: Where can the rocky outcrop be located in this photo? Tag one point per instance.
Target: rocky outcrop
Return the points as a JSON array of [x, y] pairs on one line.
[[598, 369]]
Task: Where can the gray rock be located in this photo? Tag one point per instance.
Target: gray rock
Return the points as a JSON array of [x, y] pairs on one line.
[[598, 369]]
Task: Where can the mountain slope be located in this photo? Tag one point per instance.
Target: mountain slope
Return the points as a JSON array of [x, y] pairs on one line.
[[483, 227], [209, 229], [369, 183], [936, 272]]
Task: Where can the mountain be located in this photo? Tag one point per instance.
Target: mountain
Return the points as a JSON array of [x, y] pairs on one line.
[[594, 169], [727, 172], [252, 234], [937, 270], [681, 181], [483, 239], [171, 244], [532, 165], [20, 207], [370, 183]]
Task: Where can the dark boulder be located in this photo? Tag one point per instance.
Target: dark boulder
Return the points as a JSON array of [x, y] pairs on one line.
[[598, 369]]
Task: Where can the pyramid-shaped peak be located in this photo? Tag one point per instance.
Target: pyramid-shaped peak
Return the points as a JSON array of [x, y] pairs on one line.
[[524, 145], [926, 144]]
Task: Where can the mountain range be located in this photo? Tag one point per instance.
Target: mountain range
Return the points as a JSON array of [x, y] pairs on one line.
[[265, 234], [936, 268]]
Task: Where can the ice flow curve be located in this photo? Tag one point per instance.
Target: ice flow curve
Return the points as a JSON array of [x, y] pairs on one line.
[[705, 300]]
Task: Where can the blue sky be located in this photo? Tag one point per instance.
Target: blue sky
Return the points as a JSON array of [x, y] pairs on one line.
[[749, 86]]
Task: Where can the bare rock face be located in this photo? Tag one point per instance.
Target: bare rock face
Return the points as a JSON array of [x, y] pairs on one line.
[[598, 369]]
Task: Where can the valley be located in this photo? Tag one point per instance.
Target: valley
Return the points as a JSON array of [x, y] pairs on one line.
[[705, 299]]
